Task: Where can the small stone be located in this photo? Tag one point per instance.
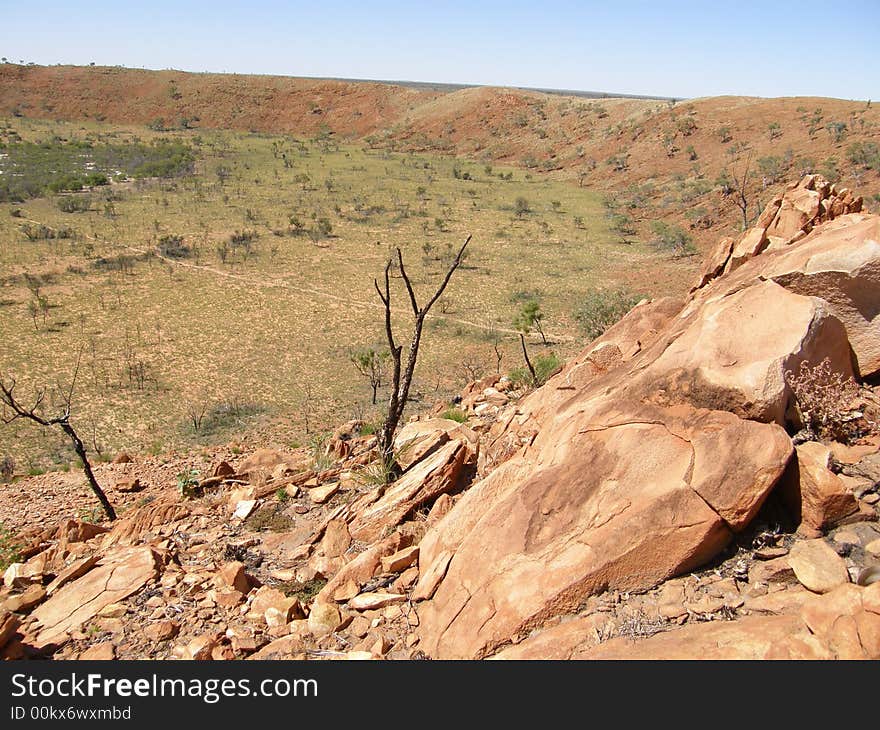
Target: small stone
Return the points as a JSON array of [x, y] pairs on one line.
[[359, 656], [222, 653], [319, 495], [336, 539], [772, 571], [233, 575], [161, 631], [128, 486], [401, 560], [244, 508], [360, 627], [346, 591], [873, 547], [324, 618], [223, 469], [817, 566], [381, 646], [200, 648], [102, 652]]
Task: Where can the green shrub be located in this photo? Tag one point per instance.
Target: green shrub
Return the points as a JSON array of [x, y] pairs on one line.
[[454, 414], [173, 247], [864, 154], [673, 238], [10, 550], [33, 169], [772, 168], [75, 204], [545, 366], [601, 308]]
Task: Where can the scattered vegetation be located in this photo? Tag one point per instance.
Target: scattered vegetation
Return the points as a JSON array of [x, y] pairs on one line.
[[670, 237], [33, 169], [601, 308], [10, 550]]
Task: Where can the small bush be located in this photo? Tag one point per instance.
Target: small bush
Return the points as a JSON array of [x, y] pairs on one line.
[[673, 238], [601, 308], [75, 204], [864, 154], [10, 550], [173, 247], [454, 414], [545, 366]]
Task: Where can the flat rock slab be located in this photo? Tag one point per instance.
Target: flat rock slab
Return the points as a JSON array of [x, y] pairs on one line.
[[121, 573], [817, 566], [371, 601]]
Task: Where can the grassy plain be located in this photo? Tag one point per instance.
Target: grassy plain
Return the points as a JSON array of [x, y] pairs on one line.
[[253, 332]]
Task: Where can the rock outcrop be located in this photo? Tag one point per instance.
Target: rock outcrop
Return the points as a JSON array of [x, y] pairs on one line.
[[641, 459]]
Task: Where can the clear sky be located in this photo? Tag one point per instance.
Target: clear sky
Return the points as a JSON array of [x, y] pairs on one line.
[[681, 48]]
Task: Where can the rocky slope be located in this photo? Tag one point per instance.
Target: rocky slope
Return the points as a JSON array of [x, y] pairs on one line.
[[700, 482]]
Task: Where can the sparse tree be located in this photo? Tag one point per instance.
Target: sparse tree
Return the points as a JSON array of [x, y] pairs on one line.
[[741, 200], [529, 317], [34, 413], [402, 375], [371, 364]]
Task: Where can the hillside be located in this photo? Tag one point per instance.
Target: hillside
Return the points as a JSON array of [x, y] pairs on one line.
[[662, 160]]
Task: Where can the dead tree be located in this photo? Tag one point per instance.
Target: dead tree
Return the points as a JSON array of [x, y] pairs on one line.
[[8, 398], [402, 375], [741, 200]]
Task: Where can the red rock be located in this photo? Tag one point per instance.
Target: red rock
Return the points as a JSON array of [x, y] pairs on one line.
[[233, 575], [102, 652], [372, 601], [814, 494], [817, 566], [201, 648], [9, 624], [434, 475], [25, 601], [161, 631], [401, 560], [121, 573]]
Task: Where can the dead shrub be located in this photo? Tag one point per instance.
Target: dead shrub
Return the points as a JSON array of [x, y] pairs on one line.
[[829, 404]]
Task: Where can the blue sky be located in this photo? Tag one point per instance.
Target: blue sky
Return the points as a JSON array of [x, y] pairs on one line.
[[681, 49]]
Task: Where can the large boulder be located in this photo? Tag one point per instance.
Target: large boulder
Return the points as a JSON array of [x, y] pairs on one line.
[[624, 500]]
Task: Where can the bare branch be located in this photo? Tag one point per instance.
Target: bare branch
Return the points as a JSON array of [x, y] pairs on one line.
[[409, 289], [455, 264]]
